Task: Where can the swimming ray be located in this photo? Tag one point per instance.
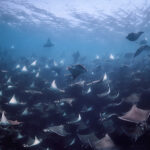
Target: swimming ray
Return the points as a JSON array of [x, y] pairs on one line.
[[141, 49], [35, 142], [88, 139], [37, 75], [24, 69], [105, 143], [76, 70], [89, 90], [75, 120], [48, 44], [111, 57], [26, 112], [72, 142], [105, 77], [59, 130], [55, 88], [19, 136], [13, 100], [18, 66], [134, 36], [4, 120], [34, 63], [136, 115], [105, 93]]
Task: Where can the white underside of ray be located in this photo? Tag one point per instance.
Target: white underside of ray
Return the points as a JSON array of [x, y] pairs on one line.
[[89, 90], [17, 66], [111, 57], [34, 63], [4, 120], [53, 85], [46, 66], [9, 80], [19, 136], [25, 112], [105, 77], [36, 142], [13, 100], [24, 69], [37, 75], [75, 121]]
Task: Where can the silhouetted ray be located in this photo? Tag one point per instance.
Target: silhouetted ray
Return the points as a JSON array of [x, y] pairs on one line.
[[75, 120], [34, 63], [5, 121], [134, 36], [24, 69], [141, 49], [13, 100], [76, 70], [60, 130], [55, 88], [48, 43], [35, 142], [105, 77], [105, 143], [136, 115], [88, 139]]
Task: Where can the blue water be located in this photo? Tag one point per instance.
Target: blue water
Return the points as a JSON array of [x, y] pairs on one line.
[[91, 27]]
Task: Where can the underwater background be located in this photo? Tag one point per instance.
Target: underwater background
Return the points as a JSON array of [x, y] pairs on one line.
[[74, 75]]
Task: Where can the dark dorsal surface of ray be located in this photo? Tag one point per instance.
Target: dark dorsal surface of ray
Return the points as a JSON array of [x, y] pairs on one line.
[[134, 36], [76, 70], [141, 49], [48, 43]]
